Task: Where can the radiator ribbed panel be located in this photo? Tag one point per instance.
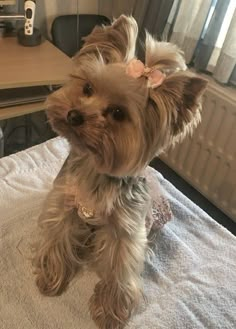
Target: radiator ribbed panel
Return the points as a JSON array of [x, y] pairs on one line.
[[207, 160]]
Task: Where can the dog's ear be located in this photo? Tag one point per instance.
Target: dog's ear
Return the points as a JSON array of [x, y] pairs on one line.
[[115, 43], [175, 106]]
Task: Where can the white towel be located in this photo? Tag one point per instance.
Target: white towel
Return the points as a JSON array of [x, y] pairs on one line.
[[191, 282]]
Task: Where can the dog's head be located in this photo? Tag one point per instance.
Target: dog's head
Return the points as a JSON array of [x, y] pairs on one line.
[[119, 111]]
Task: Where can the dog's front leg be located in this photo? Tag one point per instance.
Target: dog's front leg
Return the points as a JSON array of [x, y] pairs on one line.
[[59, 252], [120, 248]]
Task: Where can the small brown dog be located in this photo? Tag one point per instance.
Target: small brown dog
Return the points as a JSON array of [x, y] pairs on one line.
[[117, 114]]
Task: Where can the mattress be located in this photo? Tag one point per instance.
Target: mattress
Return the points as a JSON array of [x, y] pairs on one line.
[[190, 282]]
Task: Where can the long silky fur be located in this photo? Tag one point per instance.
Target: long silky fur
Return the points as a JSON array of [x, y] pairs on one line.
[[105, 164], [115, 249]]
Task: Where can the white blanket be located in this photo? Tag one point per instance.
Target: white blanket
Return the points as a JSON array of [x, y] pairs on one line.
[[191, 282]]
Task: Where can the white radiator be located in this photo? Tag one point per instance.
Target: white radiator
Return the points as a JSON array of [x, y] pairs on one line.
[[207, 160]]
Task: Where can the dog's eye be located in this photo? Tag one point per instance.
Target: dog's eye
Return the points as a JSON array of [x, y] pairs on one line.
[[88, 90], [118, 114]]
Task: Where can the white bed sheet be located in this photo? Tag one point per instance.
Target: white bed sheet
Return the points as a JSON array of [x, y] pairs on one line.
[[191, 282]]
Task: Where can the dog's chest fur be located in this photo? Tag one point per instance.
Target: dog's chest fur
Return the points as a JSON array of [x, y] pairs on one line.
[[98, 196], [101, 199]]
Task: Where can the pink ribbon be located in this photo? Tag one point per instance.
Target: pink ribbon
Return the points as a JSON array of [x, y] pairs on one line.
[[137, 69]]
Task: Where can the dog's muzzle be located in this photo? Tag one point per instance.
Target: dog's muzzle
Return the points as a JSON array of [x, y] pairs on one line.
[[75, 118]]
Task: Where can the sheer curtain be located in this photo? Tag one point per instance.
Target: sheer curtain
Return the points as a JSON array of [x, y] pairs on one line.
[[206, 31], [225, 69], [189, 21], [150, 14]]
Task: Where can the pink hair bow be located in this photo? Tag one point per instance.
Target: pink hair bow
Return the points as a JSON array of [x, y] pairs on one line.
[[136, 69]]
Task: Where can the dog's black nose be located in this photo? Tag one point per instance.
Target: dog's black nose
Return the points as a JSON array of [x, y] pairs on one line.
[[75, 118]]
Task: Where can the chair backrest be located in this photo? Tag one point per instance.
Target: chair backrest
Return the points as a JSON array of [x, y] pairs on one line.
[[68, 30]]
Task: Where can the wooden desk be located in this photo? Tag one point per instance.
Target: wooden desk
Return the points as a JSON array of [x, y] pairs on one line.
[[7, 2], [30, 66]]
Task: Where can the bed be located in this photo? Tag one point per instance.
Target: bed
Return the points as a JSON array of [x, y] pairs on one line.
[[189, 283]]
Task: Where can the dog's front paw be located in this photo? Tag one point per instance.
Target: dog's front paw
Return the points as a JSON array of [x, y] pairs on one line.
[[52, 276], [47, 286], [110, 308], [44, 285], [100, 316], [106, 321]]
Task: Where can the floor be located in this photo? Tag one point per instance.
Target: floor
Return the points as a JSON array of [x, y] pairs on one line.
[[194, 195]]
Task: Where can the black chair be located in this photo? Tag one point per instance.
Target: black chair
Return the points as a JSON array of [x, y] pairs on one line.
[[68, 31]]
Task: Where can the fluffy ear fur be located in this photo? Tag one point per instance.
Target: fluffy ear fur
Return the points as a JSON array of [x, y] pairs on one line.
[[115, 43], [165, 56], [174, 107]]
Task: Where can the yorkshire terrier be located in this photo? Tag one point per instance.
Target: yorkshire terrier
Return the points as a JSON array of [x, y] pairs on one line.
[[117, 114]]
